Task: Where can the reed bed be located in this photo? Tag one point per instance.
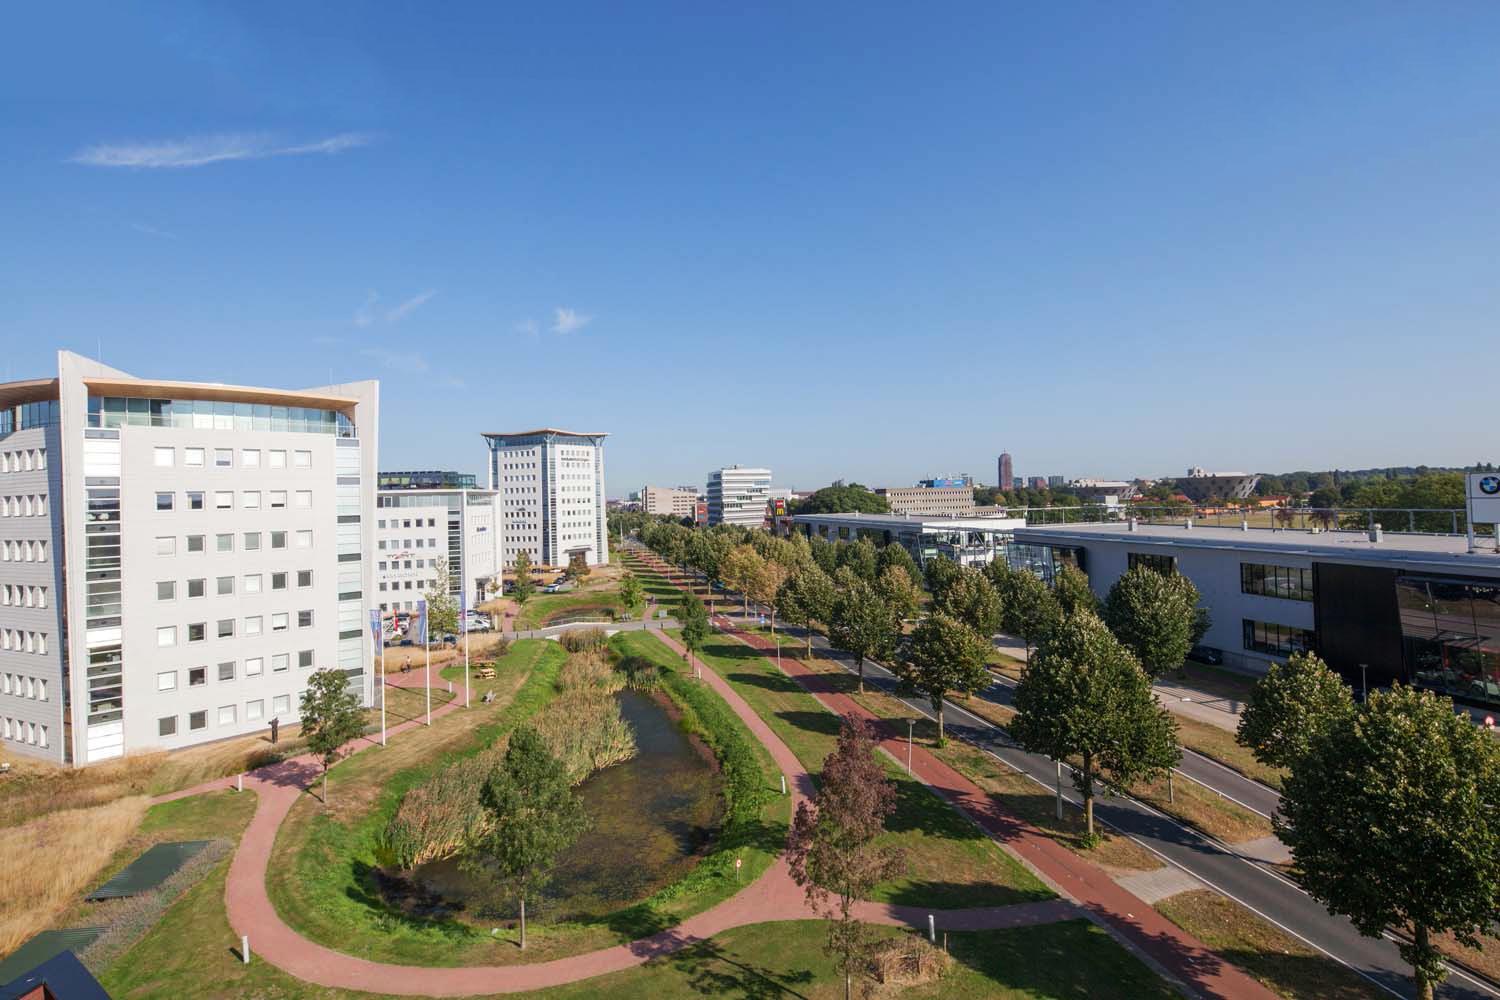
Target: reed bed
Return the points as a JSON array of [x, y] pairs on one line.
[[49, 861]]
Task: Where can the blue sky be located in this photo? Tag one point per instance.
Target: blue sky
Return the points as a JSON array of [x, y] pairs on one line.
[[860, 241]]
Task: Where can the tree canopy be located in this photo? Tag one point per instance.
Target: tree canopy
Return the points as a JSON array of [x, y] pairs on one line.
[[943, 655], [331, 716], [971, 598], [863, 624], [842, 499], [807, 596], [1157, 615], [1072, 590], [1028, 608], [1393, 819], [1084, 695], [1289, 706]]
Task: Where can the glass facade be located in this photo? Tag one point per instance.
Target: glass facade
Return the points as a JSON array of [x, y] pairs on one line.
[[1042, 560], [1277, 640], [1288, 582], [210, 414], [1450, 635], [1150, 560]]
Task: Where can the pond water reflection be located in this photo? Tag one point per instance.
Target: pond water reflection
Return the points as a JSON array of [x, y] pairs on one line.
[[652, 817]]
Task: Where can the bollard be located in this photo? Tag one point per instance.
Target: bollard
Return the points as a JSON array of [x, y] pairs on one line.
[[783, 784], [931, 929], [239, 782], [245, 948]]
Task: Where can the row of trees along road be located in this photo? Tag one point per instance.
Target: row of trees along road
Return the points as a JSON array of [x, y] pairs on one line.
[[1389, 807], [1086, 697]]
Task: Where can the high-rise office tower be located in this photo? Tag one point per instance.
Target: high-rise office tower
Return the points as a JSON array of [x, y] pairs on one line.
[[1007, 476]]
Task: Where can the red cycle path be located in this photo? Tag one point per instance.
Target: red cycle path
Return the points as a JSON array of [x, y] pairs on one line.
[[774, 896], [1181, 954]]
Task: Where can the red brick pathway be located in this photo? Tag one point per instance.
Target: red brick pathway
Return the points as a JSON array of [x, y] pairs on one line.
[[1181, 954]]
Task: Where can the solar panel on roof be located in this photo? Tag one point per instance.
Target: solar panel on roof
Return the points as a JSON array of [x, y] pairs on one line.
[[148, 871]]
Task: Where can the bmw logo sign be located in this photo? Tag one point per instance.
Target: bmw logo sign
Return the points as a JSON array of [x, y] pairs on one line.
[[1490, 485]]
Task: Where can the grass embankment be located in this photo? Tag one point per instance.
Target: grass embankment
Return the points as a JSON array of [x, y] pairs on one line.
[[549, 609], [953, 864]]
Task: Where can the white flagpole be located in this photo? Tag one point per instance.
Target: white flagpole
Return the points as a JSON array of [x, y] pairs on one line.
[[427, 644], [465, 613], [382, 683]]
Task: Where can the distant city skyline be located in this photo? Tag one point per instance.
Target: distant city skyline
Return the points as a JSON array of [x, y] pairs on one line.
[[875, 244]]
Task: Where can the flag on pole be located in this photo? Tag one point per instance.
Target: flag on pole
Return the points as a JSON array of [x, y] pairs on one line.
[[375, 626], [419, 628], [463, 612]]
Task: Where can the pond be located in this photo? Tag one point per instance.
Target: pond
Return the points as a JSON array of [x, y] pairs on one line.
[[653, 816]]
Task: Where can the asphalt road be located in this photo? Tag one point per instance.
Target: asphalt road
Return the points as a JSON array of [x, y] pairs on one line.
[[1244, 880]]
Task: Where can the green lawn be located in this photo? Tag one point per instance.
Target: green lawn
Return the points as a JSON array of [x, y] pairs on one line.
[[953, 864], [543, 608]]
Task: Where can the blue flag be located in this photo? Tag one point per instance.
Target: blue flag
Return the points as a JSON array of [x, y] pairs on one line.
[[419, 627], [375, 626]]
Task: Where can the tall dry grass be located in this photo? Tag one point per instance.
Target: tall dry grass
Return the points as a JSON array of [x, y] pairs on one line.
[[49, 861]]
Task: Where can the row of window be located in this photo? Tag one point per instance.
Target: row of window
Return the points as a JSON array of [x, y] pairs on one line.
[[250, 541], [165, 457], [31, 733], [398, 564], [32, 506], [430, 543], [1166, 565], [23, 640], [23, 551], [1277, 640], [422, 585], [1289, 582], [224, 628], [22, 595], [22, 686], [216, 415], [166, 590], [166, 500], [255, 666], [31, 459], [407, 523], [227, 715]]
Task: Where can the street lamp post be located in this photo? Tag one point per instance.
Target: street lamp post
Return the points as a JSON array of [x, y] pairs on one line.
[[1364, 682]]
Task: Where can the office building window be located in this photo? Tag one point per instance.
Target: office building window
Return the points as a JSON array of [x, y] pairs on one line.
[[1277, 640], [166, 545], [281, 704], [250, 500], [223, 458], [164, 458], [197, 631], [192, 457], [1288, 582], [225, 628], [226, 671], [254, 710], [166, 636], [278, 500], [223, 500], [304, 499], [197, 588], [1150, 560], [277, 459], [304, 619], [278, 539], [252, 583], [304, 539], [281, 662], [279, 622], [302, 459], [305, 658], [278, 581], [197, 720], [195, 543], [164, 501], [197, 676], [253, 625], [166, 680], [226, 715], [250, 458], [224, 586], [304, 578], [195, 500], [224, 542], [252, 541], [166, 726], [166, 590], [254, 666]]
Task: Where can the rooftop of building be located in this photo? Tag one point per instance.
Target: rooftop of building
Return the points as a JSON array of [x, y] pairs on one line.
[[548, 431], [1394, 547], [934, 521], [426, 479]]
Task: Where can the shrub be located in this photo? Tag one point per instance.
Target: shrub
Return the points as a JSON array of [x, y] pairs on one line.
[[640, 673], [437, 818], [583, 640]]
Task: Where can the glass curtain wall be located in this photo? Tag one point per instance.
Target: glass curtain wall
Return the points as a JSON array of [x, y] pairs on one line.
[[1450, 632]]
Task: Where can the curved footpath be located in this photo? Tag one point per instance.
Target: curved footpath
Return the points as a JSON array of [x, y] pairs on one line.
[[774, 896], [1136, 922]]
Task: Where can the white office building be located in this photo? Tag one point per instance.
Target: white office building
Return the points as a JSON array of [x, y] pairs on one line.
[[738, 495], [204, 543], [667, 502], [551, 489], [422, 530]]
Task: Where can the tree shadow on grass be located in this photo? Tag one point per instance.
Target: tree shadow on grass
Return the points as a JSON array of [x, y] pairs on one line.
[[1068, 959], [825, 723], [711, 970]]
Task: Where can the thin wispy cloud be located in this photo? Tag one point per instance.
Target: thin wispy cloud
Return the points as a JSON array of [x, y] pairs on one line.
[[365, 314], [567, 320], [408, 307], [400, 360], [146, 230], [201, 151]]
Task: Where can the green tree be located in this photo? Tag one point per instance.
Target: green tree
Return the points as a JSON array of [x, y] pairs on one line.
[[806, 597], [861, 558], [943, 655], [578, 567], [631, 591], [895, 554], [1084, 695], [1028, 608], [533, 817], [1289, 706], [863, 624], [739, 570], [972, 599], [831, 846], [939, 574], [442, 606], [525, 586], [766, 584], [693, 619], [1157, 616], [1393, 820], [331, 716], [896, 588], [840, 499], [1071, 588]]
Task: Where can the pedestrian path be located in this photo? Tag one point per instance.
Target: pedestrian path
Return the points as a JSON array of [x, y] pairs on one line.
[[1172, 948], [772, 897]]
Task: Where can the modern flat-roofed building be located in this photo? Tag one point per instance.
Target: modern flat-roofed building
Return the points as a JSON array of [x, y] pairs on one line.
[[551, 487], [1199, 485], [928, 500], [668, 502], [738, 495], [969, 541], [1416, 608], [445, 524], [205, 545]]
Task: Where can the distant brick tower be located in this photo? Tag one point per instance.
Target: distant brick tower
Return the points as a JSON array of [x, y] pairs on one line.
[[1007, 472]]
